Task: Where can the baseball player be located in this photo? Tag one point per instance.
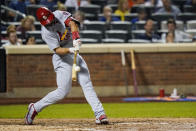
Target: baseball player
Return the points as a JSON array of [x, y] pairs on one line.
[[58, 28]]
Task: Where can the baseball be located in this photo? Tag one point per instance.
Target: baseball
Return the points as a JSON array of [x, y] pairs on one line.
[[77, 68]]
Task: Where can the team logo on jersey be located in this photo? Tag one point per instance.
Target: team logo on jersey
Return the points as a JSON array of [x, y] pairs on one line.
[[45, 17], [64, 36]]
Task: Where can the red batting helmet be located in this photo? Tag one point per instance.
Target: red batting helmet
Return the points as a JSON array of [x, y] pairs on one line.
[[44, 15]]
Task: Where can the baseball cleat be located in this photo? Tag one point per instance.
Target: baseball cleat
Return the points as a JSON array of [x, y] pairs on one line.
[[102, 120], [30, 114]]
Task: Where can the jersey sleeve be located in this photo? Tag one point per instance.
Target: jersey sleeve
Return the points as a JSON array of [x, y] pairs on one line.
[[50, 39], [65, 17], [62, 15]]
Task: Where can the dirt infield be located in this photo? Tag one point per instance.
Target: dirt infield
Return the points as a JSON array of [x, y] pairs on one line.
[[119, 124]]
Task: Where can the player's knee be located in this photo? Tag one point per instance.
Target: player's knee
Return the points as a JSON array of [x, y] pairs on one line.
[[61, 93]]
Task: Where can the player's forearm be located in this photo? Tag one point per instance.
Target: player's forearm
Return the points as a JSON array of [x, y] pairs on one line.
[[74, 30], [73, 26], [62, 51]]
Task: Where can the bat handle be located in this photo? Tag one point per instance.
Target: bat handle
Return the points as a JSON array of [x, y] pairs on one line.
[[75, 55]]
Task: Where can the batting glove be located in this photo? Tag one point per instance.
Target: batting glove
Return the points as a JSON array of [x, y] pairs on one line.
[[77, 43], [72, 50]]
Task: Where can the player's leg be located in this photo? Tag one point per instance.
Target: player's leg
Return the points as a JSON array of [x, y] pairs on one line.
[[64, 85], [63, 78], [89, 93]]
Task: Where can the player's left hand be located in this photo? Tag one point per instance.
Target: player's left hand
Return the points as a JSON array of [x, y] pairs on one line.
[[77, 43]]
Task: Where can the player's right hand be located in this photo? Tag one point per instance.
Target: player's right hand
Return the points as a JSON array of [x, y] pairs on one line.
[[73, 49]]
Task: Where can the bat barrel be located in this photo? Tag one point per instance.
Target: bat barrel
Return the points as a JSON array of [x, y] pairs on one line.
[[123, 57], [74, 72], [133, 59]]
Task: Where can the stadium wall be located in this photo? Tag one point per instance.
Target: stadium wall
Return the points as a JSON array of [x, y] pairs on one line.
[[30, 71]]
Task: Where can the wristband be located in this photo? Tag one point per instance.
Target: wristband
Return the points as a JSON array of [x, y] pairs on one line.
[[75, 35]]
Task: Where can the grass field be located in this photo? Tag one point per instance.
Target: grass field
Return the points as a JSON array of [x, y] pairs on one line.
[[113, 110]]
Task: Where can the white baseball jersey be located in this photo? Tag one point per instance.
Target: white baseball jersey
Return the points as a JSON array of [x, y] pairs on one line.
[[60, 36]]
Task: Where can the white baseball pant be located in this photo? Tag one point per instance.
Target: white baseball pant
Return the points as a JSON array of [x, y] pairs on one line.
[[63, 69]]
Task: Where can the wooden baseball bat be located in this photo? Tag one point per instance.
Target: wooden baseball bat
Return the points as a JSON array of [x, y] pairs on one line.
[[133, 67], [74, 72], [124, 71]]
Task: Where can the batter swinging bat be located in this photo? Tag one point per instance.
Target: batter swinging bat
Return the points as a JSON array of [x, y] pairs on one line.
[[74, 72], [133, 67]]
